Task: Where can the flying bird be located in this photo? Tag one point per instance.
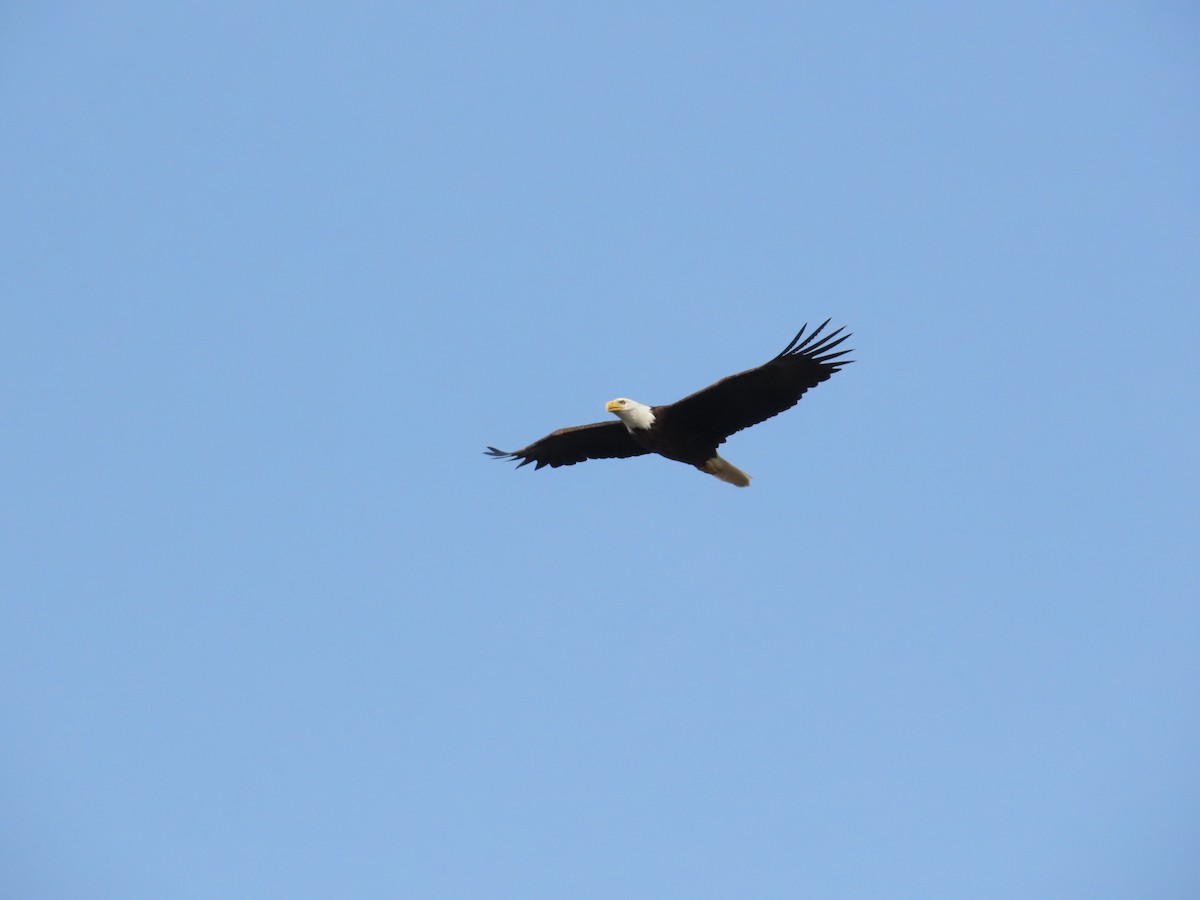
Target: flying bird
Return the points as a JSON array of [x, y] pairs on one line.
[[690, 430]]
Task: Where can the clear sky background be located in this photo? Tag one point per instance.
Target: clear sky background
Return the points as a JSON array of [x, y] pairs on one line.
[[274, 274]]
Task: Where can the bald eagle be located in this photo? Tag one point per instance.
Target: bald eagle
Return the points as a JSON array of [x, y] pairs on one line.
[[691, 429]]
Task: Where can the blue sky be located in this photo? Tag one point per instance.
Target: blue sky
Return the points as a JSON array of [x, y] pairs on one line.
[[273, 627]]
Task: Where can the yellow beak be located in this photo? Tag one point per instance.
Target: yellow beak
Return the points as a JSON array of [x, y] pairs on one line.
[[612, 406]]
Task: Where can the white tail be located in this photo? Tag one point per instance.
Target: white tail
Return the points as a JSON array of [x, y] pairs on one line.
[[727, 472]]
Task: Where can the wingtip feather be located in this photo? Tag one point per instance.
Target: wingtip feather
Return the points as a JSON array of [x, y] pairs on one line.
[[814, 345]]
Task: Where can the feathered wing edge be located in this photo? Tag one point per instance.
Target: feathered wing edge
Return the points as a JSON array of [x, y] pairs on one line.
[[813, 351], [506, 454], [518, 454]]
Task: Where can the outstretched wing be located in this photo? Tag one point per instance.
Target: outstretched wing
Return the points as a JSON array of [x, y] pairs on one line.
[[567, 446], [753, 396]]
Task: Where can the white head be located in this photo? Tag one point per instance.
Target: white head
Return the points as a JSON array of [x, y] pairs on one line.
[[632, 413]]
